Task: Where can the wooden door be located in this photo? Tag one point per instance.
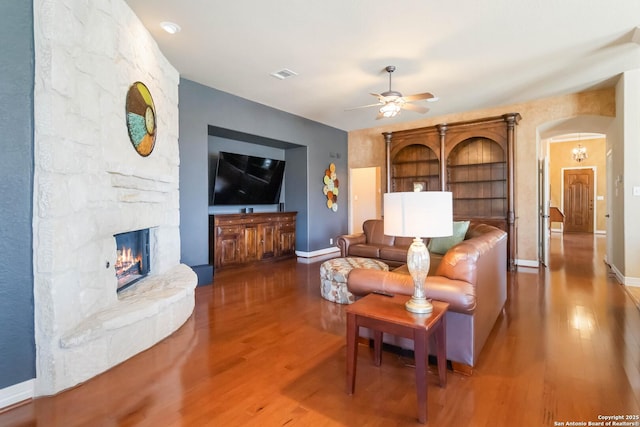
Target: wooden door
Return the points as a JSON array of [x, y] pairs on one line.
[[578, 200], [251, 243], [227, 249], [268, 240], [287, 238]]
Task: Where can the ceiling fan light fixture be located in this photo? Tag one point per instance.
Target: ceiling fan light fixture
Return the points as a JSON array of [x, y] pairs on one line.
[[390, 109], [392, 101], [391, 95]]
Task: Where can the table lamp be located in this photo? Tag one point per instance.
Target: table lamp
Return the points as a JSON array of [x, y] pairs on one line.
[[418, 214]]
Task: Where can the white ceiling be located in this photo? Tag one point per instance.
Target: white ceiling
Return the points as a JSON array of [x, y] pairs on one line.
[[472, 54]]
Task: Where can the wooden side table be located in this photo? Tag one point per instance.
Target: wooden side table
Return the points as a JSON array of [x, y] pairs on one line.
[[384, 314]]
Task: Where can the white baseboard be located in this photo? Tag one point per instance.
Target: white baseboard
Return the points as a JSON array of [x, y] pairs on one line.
[[17, 393], [627, 281], [317, 255], [632, 281], [527, 263], [617, 273]]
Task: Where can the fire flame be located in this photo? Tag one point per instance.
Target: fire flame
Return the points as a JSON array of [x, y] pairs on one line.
[[125, 260]]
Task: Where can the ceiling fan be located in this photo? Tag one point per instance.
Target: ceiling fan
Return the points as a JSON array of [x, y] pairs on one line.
[[391, 101]]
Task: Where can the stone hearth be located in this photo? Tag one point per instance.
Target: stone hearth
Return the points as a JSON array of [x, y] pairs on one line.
[[90, 184]]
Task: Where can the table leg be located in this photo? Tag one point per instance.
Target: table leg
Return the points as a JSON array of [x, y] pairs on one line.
[[441, 350], [420, 352], [377, 348], [352, 352]]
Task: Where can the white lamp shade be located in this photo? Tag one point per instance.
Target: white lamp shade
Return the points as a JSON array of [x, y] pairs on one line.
[[418, 214]]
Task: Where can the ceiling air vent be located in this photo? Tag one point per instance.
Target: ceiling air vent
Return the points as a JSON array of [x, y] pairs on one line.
[[284, 73]]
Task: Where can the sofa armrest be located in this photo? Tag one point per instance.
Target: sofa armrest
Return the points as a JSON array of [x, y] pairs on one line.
[[347, 240], [461, 261], [363, 281], [459, 294]]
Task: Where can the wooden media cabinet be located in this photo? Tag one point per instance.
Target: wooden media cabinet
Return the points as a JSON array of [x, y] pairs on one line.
[[236, 239]]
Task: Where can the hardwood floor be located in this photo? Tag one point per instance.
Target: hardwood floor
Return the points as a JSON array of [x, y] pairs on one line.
[[264, 349]]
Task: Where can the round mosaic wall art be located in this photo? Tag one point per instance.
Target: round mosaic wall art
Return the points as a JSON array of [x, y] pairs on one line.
[[141, 118], [330, 188]]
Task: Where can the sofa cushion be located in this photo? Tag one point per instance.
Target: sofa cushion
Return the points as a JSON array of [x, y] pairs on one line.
[[394, 253], [433, 266], [374, 230], [440, 245], [365, 250], [403, 242]]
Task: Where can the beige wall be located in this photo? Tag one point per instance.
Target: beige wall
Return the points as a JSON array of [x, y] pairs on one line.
[[626, 159], [560, 158], [366, 148]]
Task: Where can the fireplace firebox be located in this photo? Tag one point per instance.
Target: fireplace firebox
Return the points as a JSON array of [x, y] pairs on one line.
[[132, 261]]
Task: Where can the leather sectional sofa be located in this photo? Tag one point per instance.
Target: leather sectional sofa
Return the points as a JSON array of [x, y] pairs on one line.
[[373, 243], [471, 276]]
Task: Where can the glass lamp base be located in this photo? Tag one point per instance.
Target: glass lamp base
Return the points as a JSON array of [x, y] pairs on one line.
[[419, 306], [418, 262]]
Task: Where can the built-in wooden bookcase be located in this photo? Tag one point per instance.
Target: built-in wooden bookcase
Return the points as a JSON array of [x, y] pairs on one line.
[[474, 160], [415, 164], [477, 177]]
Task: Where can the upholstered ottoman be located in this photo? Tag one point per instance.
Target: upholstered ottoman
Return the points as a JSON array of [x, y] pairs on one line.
[[334, 273]]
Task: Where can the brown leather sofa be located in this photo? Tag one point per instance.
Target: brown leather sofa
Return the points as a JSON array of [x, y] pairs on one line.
[[373, 243], [471, 277]]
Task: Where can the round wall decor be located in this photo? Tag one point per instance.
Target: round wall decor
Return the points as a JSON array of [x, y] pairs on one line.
[[141, 118], [330, 188]]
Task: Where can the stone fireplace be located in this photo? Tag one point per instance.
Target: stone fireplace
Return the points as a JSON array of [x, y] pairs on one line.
[[90, 185]]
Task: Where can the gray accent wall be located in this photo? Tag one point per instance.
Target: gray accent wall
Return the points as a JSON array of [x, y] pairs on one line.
[[17, 346], [314, 147], [296, 196]]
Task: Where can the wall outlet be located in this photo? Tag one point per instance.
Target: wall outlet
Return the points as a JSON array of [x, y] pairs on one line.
[[636, 191], [331, 241]]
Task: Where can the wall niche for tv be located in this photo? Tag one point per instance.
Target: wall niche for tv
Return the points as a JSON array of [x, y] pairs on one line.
[[246, 172]]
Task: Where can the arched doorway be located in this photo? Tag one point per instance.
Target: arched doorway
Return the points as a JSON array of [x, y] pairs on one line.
[[564, 175]]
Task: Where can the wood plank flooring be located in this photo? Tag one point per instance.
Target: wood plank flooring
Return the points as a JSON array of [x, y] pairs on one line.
[[264, 349]]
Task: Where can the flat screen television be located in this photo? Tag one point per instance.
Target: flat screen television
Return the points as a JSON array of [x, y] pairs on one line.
[[239, 179]]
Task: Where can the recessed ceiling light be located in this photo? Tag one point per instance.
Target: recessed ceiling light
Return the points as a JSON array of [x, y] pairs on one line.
[[284, 73], [170, 27]]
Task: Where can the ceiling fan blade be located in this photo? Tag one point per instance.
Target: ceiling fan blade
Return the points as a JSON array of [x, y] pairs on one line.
[[417, 108], [419, 96], [364, 106]]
